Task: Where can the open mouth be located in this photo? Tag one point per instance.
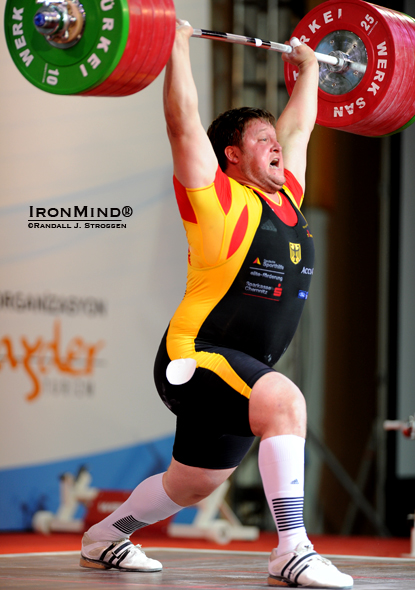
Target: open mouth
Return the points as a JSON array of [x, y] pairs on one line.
[[274, 163]]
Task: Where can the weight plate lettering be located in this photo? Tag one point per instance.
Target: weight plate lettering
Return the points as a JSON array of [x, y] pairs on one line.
[[75, 69], [137, 47], [357, 109]]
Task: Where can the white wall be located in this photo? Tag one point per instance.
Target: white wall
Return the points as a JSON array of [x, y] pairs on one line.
[[62, 152]]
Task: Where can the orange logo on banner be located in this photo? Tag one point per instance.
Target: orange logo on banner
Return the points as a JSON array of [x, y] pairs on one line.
[[77, 360]]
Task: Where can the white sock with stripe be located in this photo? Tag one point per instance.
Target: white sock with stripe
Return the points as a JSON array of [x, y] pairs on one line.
[[281, 464], [147, 504]]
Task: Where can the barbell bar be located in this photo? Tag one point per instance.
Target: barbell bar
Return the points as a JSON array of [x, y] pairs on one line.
[[340, 61], [118, 47]]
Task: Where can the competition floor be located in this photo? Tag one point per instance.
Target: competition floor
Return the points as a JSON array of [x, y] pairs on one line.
[[186, 568]]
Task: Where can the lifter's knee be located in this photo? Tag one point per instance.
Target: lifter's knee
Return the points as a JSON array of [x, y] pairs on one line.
[[187, 485], [276, 407]]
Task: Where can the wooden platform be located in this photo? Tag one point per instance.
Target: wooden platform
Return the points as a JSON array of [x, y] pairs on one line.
[[188, 569]]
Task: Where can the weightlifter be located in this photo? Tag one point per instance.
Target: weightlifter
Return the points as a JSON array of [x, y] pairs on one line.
[[239, 190]]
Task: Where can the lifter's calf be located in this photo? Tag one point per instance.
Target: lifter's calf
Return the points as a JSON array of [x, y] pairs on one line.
[[276, 407], [188, 485]]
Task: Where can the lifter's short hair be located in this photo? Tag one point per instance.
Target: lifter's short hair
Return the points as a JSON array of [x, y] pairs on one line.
[[228, 129]]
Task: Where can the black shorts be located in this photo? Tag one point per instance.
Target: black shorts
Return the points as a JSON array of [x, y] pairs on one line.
[[212, 427]]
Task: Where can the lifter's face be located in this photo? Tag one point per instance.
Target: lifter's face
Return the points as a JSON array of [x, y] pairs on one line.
[[259, 160]]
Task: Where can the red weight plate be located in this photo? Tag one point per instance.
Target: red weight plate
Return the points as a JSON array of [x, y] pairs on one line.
[[410, 24], [362, 19], [170, 29], [406, 110], [157, 44], [139, 43], [380, 79], [144, 51], [134, 83], [163, 45], [168, 38], [386, 108], [100, 89], [386, 119], [325, 19], [408, 124], [393, 102], [144, 78], [120, 66], [392, 113], [402, 103], [136, 26]]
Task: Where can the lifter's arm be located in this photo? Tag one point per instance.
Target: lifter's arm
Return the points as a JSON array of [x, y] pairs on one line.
[[194, 160], [297, 121]]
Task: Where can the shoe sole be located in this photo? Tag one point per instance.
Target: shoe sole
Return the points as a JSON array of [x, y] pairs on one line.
[[102, 565], [280, 582], [273, 581], [85, 562]]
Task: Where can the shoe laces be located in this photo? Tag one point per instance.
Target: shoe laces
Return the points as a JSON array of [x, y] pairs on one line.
[[310, 547], [139, 548]]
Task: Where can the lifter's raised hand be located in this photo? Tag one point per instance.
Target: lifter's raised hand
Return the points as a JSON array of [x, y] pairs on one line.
[[184, 26], [300, 55]]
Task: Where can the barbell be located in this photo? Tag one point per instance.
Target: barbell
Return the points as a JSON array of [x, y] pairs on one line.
[[118, 47]]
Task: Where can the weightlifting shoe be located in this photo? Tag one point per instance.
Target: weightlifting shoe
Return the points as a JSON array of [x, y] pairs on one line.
[[304, 568], [122, 555]]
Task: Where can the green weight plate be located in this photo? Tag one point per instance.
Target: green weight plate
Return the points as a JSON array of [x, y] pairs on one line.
[[75, 69]]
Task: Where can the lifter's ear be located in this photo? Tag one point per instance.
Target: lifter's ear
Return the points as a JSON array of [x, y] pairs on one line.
[[232, 153]]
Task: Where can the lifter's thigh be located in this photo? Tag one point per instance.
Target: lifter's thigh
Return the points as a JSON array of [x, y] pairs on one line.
[[187, 485], [277, 406]]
